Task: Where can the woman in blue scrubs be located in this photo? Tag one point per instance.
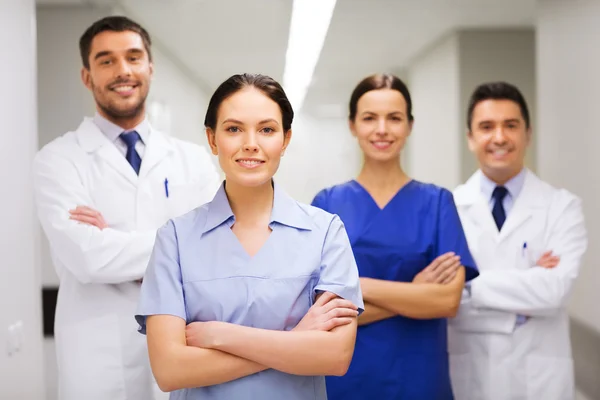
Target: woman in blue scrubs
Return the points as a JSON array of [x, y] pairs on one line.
[[253, 295], [411, 252]]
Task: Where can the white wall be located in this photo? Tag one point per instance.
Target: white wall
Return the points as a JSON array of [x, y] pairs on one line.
[[433, 81], [63, 101], [568, 61], [21, 375], [322, 153]]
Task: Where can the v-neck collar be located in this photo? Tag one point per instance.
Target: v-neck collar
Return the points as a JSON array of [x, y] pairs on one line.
[[396, 195]]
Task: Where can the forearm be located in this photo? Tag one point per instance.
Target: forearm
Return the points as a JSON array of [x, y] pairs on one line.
[[190, 367], [107, 256], [417, 300], [374, 313], [532, 292], [294, 352]]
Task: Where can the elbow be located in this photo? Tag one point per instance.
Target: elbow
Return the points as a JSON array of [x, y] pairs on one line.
[[166, 379], [340, 362]]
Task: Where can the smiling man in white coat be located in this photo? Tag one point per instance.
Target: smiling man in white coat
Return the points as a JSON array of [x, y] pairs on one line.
[[102, 191], [510, 339]]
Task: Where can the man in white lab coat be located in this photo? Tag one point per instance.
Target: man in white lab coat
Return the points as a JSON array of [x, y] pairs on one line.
[[102, 191], [510, 339]]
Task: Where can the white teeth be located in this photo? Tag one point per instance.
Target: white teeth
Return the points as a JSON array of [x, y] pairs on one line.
[[249, 162], [500, 152], [123, 88]]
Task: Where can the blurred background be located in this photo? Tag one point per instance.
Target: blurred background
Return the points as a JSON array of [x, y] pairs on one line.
[[441, 48]]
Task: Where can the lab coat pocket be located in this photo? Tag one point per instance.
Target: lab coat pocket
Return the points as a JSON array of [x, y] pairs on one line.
[[550, 378], [91, 359], [460, 375]]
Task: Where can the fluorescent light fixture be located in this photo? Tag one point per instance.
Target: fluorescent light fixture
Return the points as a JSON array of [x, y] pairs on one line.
[[308, 29]]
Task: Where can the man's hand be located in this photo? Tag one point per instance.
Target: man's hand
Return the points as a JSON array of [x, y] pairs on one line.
[[547, 260], [328, 312], [441, 270], [88, 216]]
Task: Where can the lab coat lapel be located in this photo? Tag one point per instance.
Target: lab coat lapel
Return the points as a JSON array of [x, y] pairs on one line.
[[157, 149], [92, 140], [476, 207], [525, 205]]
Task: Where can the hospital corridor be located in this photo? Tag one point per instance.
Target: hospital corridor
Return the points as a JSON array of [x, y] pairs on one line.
[[299, 199]]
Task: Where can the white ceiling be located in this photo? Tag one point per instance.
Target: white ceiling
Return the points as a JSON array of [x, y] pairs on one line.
[[214, 39]]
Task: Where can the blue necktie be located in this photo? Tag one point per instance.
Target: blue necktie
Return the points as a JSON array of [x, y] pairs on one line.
[[498, 212], [130, 139]]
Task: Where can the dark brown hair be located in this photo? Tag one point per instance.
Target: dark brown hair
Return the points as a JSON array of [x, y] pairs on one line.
[[376, 82], [115, 24], [234, 84], [497, 91]]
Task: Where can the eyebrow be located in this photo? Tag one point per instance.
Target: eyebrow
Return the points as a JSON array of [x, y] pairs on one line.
[[489, 121], [264, 121], [107, 52], [392, 113]]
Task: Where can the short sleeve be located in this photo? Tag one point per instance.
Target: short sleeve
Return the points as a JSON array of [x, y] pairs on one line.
[[339, 273], [451, 236], [320, 200], [162, 287]]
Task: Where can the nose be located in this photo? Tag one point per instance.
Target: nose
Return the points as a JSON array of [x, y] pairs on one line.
[[381, 127], [499, 136], [250, 145], [123, 69]]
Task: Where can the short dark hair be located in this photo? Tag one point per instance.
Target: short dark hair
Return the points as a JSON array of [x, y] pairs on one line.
[[267, 85], [497, 91], [376, 82], [113, 23]]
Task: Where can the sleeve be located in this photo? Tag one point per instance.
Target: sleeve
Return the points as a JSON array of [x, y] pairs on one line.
[[320, 200], [451, 236], [162, 287], [90, 254], [339, 273], [539, 291]]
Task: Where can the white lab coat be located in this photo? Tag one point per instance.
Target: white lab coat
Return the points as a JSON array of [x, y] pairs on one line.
[[100, 354], [491, 358]]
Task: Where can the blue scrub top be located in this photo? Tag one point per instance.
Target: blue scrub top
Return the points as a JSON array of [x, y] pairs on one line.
[[199, 271], [398, 358]]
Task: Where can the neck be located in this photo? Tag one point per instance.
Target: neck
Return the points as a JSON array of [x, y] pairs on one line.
[[250, 204], [126, 123], [382, 174], [501, 177]]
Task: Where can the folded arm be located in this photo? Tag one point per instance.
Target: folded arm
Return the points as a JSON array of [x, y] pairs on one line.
[[178, 366], [416, 300], [92, 255], [293, 352], [538, 291]]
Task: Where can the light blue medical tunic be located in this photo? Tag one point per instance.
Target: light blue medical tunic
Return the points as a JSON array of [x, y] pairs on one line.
[[199, 271]]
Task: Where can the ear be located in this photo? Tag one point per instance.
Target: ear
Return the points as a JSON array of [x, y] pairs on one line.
[[151, 67], [210, 137], [86, 78], [286, 141], [352, 127], [411, 123], [470, 141], [528, 136]]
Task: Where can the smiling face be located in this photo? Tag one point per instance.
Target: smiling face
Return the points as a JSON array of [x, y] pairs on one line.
[[119, 75], [381, 124], [499, 137], [248, 138]]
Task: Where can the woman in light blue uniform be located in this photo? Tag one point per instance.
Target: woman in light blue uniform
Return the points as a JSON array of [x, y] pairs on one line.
[[253, 295], [411, 252]]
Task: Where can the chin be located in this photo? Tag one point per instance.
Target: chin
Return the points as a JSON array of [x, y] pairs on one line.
[[250, 180]]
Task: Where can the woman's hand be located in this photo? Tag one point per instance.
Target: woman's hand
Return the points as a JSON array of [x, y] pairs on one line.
[[203, 334], [328, 312], [441, 270]]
